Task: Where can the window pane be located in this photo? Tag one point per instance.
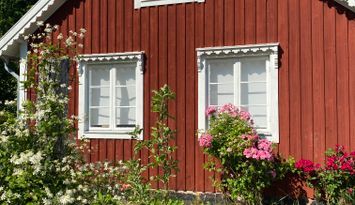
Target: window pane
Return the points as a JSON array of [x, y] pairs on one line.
[[100, 75], [126, 96], [221, 94], [125, 117], [126, 75], [100, 117], [253, 93], [221, 71], [259, 115], [100, 96], [253, 70]]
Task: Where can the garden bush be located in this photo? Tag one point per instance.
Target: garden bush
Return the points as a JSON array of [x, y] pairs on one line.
[[334, 182], [244, 159]]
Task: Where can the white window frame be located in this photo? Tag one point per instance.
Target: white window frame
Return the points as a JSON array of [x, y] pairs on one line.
[[111, 58], [270, 51], [146, 3]]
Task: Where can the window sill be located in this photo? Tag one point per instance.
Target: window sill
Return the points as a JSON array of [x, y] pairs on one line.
[[124, 135]]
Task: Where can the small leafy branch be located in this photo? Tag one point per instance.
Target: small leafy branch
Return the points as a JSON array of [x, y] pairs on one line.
[[159, 147]]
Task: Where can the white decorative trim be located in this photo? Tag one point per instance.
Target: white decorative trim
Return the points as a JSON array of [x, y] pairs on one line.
[[146, 3], [136, 56], [237, 51], [350, 4], [83, 62], [41, 11], [268, 50]]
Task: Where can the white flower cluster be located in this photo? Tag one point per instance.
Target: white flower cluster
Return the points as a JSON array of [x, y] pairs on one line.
[[27, 156]]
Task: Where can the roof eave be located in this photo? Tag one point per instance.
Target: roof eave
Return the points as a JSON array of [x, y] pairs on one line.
[[350, 4], [41, 11]]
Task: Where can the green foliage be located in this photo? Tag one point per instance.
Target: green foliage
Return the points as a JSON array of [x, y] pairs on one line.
[[11, 11], [160, 150]]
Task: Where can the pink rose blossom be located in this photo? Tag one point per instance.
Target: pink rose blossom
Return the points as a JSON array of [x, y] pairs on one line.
[[250, 152], [230, 109], [205, 140], [264, 155], [265, 145], [244, 115], [211, 110]]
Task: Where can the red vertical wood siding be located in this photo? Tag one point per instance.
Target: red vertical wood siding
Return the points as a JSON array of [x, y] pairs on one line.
[[316, 70]]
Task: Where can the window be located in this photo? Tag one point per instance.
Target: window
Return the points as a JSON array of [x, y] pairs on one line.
[[246, 76], [110, 95], [146, 3]]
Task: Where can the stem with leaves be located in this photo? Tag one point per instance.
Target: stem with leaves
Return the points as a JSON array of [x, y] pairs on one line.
[[160, 151]]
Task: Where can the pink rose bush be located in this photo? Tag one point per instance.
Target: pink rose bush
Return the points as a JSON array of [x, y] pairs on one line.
[[205, 140], [332, 180], [248, 164]]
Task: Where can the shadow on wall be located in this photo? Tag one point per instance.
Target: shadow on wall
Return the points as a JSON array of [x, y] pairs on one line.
[[291, 190], [340, 9]]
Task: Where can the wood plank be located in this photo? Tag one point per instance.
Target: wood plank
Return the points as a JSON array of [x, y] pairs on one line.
[[154, 63], [271, 22], [128, 46], [261, 21], [88, 26], [103, 26], [240, 22], [95, 32], [295, 92], [209, 41], [190, 96], [172, 73], [128, 26], [330, 76], [137, 30], [342, 86], [111, 27], [209, 23], [199, 43], [250, 21], [162, 53], [136, 47], [318, 81], [180, 96], [306, 79], [120, 25], [229, 23], [219, 23], [351, 61], [163, 48], [147, 91]]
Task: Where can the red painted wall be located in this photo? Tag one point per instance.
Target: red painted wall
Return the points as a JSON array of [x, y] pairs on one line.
[[316, 76]]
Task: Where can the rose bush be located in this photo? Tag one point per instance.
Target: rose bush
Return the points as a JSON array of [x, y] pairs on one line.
[[333, 182], [247, 163]]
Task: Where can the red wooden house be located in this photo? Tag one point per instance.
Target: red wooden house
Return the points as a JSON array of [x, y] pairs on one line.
[[289, 62]]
